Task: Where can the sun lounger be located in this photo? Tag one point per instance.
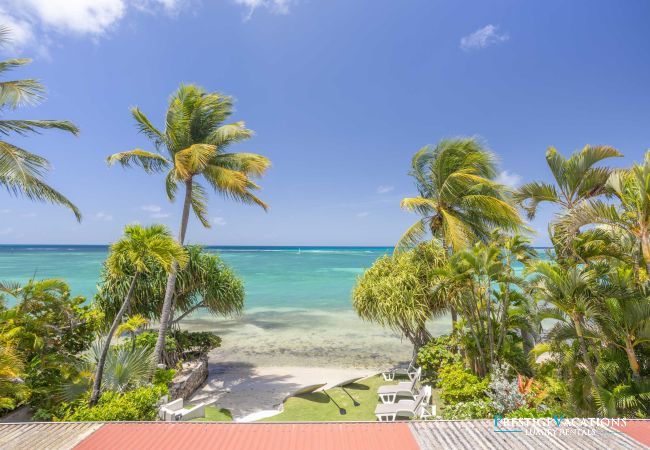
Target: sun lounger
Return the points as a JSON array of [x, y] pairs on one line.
[[174, 411], [389, 393], [389, 375], [418, 407]]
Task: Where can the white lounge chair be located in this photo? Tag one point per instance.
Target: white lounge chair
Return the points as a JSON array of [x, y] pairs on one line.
[[390, 392], [419, 407], [389, 375], [174, 411]]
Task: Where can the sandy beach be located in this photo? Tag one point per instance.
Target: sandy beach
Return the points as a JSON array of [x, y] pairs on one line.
[[267, 355]]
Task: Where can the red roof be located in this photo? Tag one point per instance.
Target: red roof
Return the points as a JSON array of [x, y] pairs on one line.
[[196, 436]]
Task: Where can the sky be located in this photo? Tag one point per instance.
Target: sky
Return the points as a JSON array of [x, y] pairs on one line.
[[340, 94]]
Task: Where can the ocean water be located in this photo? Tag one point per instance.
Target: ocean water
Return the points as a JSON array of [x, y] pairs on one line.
[[274, 277], [298, 309]]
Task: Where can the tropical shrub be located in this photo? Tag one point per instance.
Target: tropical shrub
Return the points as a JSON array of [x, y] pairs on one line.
[[458, 384], [505, 393], [475, 409], [181, 344], [433, 356], [138, 404], [46, 330]]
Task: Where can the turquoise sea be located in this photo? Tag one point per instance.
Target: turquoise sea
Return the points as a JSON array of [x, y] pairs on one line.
[[298, 308], [274, 277]]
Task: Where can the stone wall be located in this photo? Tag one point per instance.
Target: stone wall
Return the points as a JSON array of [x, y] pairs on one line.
[[189, 378]]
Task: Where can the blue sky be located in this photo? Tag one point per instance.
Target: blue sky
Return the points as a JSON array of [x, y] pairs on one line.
[[339, 93]]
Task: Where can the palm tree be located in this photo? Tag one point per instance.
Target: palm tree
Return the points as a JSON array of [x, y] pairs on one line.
[[195, 139], [514, 248], [576, 178], [625, 317], [631, 188], [458, 200], [573, 291], [22, 172], [141, 248]]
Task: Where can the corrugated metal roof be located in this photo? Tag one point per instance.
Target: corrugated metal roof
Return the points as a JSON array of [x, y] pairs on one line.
[[480, 434], [435, 434], [222, 436], [33, 436]]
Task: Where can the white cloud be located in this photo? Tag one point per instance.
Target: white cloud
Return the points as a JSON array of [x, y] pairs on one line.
[[151, 208], [6, 231], [5, 211], [21, 32], [509, 179], [28, 215], [384, 189], [33, 21], [275, 6], [92, 17], [219, 221], [160, 215], [101, 215], [363, 214], [483, 37]]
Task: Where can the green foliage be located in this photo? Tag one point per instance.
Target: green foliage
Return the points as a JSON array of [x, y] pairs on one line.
[[474, 409], [163, 376], [439, 352], [137, 404], [397, 292], [206, 283], [183, 343], [195, 342], [460, 385], [46, 330]]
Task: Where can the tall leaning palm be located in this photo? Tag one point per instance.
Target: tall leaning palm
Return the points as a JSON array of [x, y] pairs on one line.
[[192, 147], [458, 200], [21, 172], [141, 249]]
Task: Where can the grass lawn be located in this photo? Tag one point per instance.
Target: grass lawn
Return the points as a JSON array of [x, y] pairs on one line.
[[214, 414], [317, 407]]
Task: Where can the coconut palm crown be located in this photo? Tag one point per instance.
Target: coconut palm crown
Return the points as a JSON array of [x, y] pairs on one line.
[[459, 201], [22, 172]]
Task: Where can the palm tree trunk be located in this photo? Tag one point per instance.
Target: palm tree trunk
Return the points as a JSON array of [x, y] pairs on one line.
[[583, 349], [171, 279], [632, 358], [645, 249], [488, 303], [97, 383]]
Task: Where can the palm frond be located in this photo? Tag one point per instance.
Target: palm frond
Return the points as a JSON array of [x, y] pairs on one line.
[[23, 127], [21, 173], [146, 127], [149, 161], [15, 93]]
